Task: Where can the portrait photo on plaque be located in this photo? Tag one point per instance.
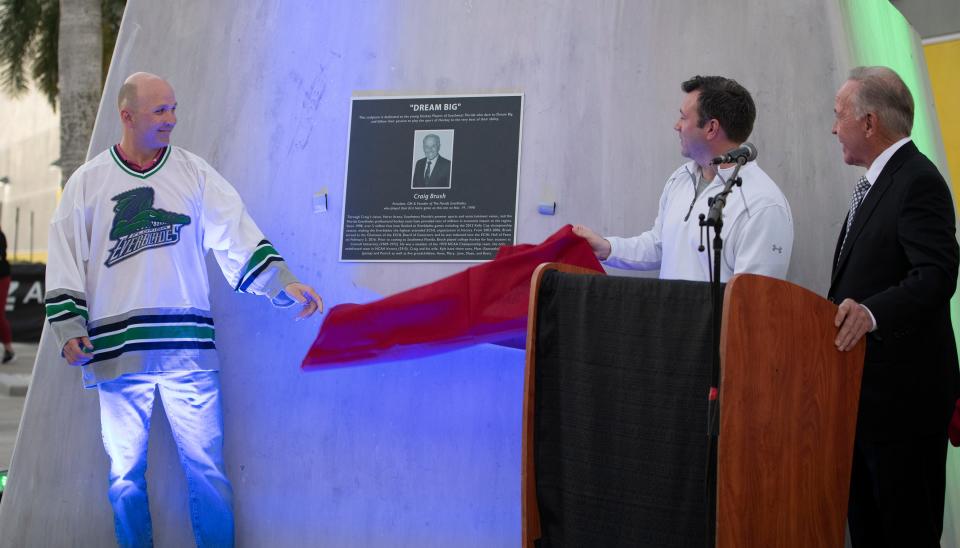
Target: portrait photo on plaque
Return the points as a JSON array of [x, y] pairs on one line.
[[432, 159]]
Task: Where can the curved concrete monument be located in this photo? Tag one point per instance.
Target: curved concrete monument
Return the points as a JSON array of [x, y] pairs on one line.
[[417, 453]]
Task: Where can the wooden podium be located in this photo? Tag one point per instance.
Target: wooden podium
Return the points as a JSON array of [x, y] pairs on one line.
[[788, 402]]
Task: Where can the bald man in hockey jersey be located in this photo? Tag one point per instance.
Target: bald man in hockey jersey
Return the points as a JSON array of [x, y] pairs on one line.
[[127, 299]]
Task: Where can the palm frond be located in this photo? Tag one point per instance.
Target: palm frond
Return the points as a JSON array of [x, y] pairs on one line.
[[45, 67], [19, 22], [29, 36]]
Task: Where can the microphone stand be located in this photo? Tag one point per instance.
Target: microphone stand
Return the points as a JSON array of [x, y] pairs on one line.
[[714, 218]]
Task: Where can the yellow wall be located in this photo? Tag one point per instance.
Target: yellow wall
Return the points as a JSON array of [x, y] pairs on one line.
[[943, 60]]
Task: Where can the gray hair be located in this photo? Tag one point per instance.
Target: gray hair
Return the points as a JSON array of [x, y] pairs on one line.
[[883, 92]]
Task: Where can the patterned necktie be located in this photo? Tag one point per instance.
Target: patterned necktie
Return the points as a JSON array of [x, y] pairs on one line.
[[426, 172], [863, 185]]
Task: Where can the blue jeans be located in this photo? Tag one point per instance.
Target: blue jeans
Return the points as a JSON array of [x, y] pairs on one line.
[[192, 402]]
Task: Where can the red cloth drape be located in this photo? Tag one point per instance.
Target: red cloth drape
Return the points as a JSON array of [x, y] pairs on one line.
[[484, 303], [955, 426]]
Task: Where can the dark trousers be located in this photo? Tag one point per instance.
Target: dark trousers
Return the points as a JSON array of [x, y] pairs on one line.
[[896, 492], [6, 337]]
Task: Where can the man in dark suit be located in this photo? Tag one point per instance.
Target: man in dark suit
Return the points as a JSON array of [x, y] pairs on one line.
[[894, 271], [433, 170]]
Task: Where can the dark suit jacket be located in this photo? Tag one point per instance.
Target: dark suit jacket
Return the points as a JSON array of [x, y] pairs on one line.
[[439, 175], [901, 262]]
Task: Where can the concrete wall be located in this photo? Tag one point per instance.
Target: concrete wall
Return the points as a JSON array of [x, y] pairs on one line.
[[29, 143], [422, 453]]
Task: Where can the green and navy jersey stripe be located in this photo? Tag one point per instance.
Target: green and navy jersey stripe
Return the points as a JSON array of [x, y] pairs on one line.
[[136, 173], [63, 307], [262, 256], [152, 332]]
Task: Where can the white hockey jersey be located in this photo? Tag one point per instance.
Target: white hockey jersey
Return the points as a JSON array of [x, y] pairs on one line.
[[126, 262]]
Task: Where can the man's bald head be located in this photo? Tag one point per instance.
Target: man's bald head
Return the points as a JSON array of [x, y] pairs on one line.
[[132, 87], [147, 112]]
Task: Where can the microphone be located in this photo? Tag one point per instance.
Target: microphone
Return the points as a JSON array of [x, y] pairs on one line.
[[740, 155]]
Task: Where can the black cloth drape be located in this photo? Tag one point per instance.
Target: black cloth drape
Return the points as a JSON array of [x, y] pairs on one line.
[[620, 441]]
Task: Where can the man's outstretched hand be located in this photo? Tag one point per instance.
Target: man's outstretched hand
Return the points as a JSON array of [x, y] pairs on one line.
[[305, 295]]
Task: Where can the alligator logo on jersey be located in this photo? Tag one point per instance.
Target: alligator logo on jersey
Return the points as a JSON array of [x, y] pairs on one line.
[[138, 226]]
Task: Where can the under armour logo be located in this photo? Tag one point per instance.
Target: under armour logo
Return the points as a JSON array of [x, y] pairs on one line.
[[777, 249]]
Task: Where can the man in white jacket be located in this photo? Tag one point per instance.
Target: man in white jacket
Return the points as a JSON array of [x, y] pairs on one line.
[[716, 116], [127, 299]]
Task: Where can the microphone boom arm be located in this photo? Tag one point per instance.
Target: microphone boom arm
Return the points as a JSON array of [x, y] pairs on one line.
[[715, 216]]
